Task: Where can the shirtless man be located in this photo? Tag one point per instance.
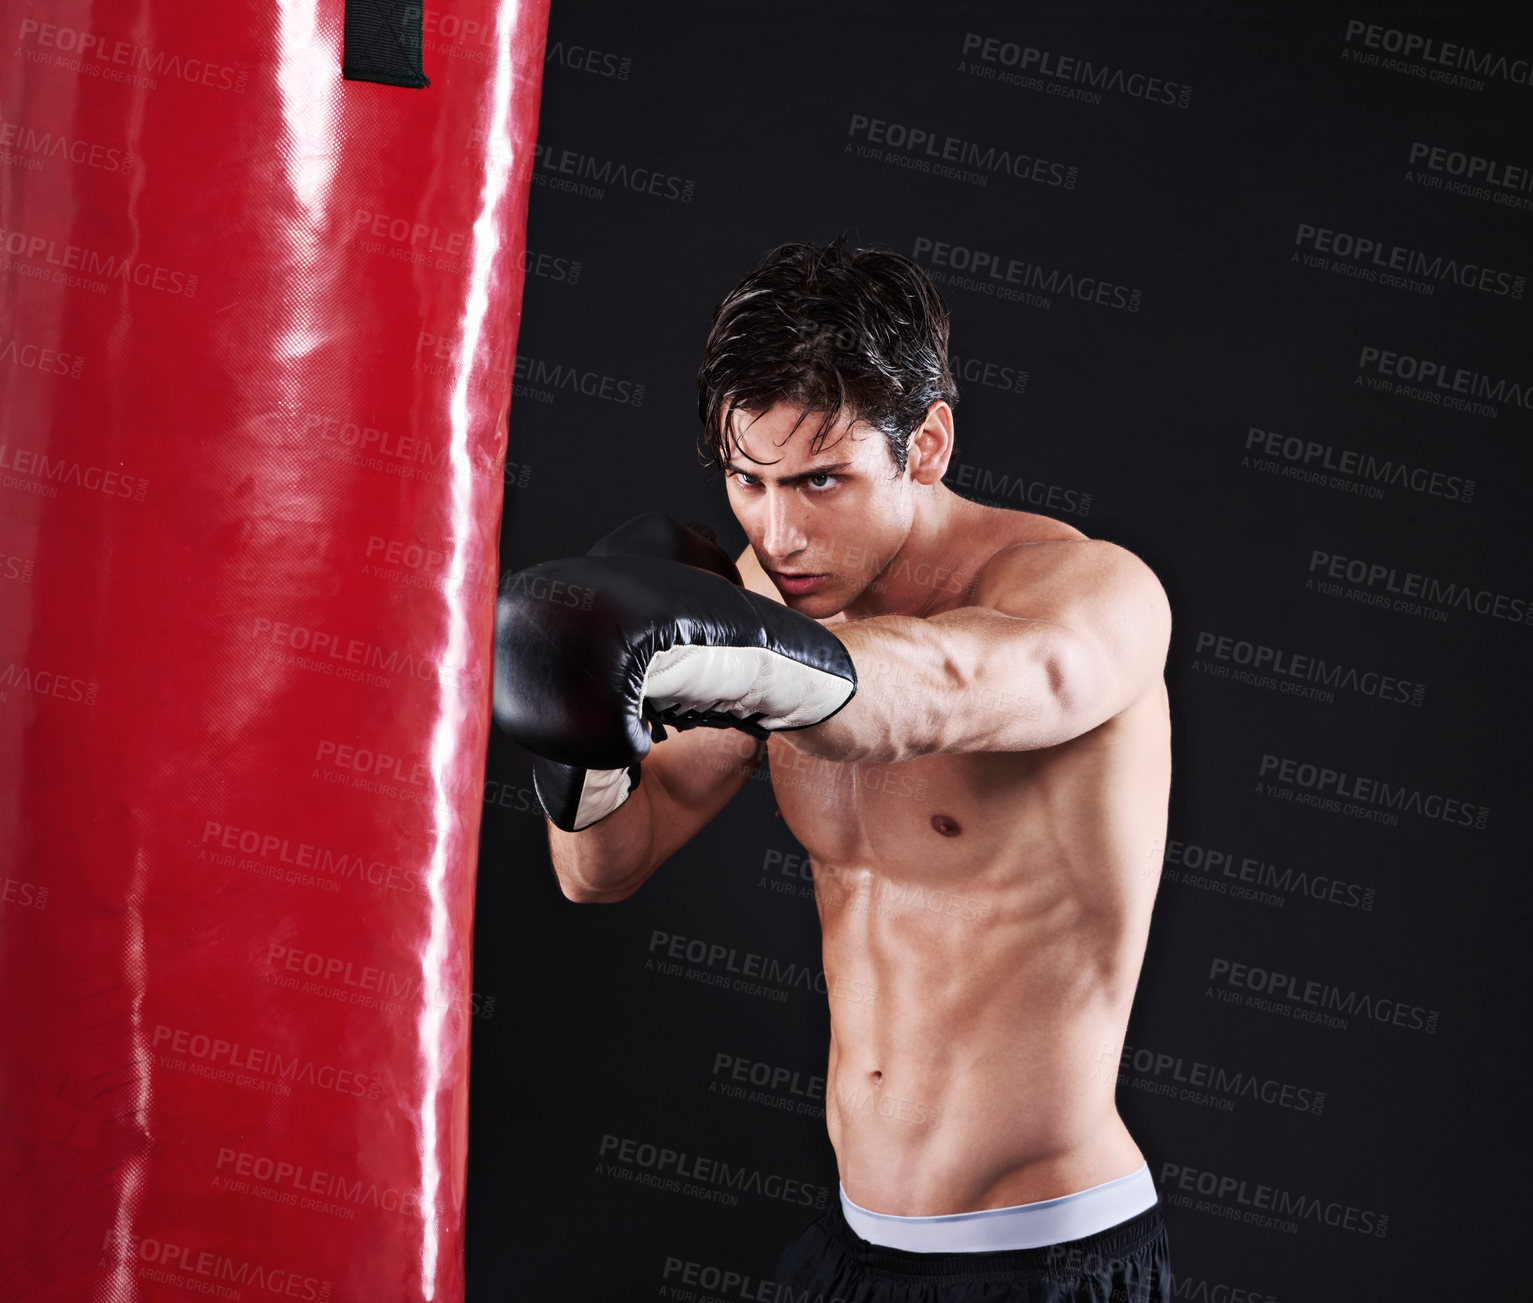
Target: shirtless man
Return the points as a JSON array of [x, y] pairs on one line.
[[1013, 669]]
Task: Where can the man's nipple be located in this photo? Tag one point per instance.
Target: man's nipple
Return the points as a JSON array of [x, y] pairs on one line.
[[946, 825]]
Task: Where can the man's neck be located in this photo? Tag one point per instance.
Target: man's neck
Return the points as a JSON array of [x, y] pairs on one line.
[[925, 569]]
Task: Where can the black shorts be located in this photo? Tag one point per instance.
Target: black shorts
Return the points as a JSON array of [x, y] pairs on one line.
[[831, 1263]]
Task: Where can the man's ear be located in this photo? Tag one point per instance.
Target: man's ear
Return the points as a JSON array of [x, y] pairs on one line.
[[931, 446]]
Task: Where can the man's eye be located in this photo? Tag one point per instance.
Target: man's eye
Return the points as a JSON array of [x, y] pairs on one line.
[[745, 481], [821, 481]]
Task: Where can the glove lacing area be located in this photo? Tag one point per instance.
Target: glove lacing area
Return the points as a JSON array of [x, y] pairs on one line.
[[682, 720]]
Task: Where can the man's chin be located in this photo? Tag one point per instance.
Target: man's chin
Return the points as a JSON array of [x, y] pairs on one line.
[[819, 605]]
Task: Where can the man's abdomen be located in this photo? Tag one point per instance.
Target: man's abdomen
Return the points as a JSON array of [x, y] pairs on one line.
[[984, 921], [981, 1071]]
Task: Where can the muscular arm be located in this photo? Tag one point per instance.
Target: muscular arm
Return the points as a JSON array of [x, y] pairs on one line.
[[685, 781], [1063, 635]]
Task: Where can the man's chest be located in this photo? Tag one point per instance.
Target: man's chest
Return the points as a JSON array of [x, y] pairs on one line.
[[934, 811]]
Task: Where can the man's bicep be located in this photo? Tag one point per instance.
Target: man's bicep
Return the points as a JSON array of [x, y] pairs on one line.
[[1103, 612]]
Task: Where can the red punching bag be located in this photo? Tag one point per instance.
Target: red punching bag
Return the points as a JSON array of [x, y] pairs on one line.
[[261, 268]]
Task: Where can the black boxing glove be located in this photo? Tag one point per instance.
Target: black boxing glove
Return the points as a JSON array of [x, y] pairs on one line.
[[658, 536], [594, 654], [573, 796]]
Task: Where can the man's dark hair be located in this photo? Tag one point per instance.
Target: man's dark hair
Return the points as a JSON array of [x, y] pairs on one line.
[[833, 330]]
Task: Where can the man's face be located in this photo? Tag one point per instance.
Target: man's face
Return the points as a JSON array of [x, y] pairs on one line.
[[823, 525]]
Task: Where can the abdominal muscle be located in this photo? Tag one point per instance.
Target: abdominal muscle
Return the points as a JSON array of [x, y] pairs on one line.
[[984, 919]]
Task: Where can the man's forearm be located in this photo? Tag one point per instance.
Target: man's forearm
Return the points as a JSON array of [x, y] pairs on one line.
[[610, 859], [968, 680], [684, 782]]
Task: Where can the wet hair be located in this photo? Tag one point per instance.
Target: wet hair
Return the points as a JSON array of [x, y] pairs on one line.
[[832, 330]]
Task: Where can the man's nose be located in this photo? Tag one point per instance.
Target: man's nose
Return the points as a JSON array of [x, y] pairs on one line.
[[784, 534]]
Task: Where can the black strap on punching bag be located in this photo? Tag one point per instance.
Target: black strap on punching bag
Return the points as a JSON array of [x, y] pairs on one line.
[[383, 42]]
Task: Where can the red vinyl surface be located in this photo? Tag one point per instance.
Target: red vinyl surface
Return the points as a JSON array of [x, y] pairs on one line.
[[255, 365]]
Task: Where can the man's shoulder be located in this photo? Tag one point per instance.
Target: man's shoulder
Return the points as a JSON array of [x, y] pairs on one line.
[[1007, 527], [988, 532], [1043, 558], [1109, 600]]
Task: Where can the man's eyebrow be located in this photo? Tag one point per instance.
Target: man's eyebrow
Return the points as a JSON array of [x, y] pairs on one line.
[[833, 468]]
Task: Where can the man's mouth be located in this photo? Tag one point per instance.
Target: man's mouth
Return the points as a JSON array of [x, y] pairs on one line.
[[797, 585]]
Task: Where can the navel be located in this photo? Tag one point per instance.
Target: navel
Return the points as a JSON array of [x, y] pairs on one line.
[[946, 825]]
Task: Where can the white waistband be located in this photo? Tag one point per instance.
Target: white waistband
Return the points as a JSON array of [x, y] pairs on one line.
[[1025, 1226]]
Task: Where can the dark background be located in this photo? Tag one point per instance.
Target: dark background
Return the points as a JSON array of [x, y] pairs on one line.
[[1132, 425]]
